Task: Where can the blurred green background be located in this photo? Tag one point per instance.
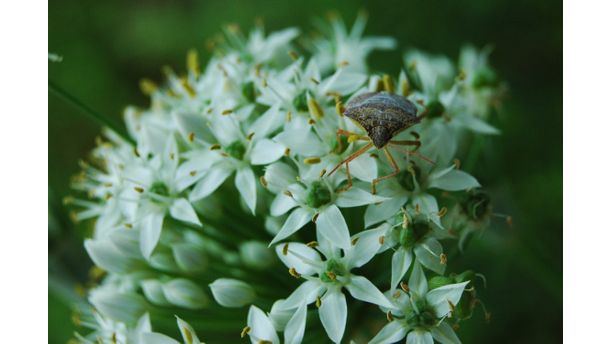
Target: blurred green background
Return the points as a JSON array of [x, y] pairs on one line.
[[109, 45]]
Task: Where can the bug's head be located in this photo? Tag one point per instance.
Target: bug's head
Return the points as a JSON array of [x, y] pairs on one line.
[[380, 136]]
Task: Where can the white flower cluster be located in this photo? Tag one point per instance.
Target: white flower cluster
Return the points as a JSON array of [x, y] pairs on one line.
[[263, 120]]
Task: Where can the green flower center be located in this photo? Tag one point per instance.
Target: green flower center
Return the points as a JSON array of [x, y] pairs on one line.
[[333, 269], [318, 194], [424, 318], [236, 150], [417, 230], [301, 101], [159, 188], [249, 91], [484, 77], [407, 178], [435, 108], [477, 205]]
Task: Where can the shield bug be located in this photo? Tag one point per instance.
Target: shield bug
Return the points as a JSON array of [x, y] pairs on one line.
[[382, 115]]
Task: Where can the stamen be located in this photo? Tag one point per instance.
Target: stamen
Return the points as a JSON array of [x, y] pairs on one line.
[[288, 193], [315, 217], [193, 63], [147, 86], [442, 212], [389, 316], [227, 112], [293, 55], [322, 173], [285, 249], [287, 151], [294, 273], [216, 146], [312, 160], [315, 81], [245, 331], [388, 83], [318, 302], [192, 173], [139, 189], [405, 287], [381, 239], [312, 244], [250, 136], [187, 87], [343, 63], [354, 241], [340, 107], [128, 225], [311, 121], [331, 275], [397, 294], [457, 163], [405, 87], [191, 137], [443, 259], [314, 108], [258, 69], [263, 181], [288, 116]]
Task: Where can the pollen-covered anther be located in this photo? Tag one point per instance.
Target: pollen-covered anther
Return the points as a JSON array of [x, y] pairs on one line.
[[388, 83], [311, 121], [138, 189], [417, 208], [389, 316], [443, 259], [216, 146], [192, 173], [315, 217], [457, 163], [294, 273], [250, 136], [462, 75], [287, 151], [136, 153], [315, 108], [354, 241], [322, 173], [258, 69], [288, 193], [312, 244], [318, 302], [67, 200], [404, 287], [128, 225], [191, 136], [452, 307], [353, 138], [405, 88], [227, 112], [315, 81], [442, 212], [381, 239], [263, 181], [187, 87], [312, 160], [285, 249], [340, 107], [245, 331]]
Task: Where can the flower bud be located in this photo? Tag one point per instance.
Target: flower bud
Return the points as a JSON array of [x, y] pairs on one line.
[[106, 255], [467, 275], [154, 292], [164, 262], [232, 293], [439, 281], [256, 254], [118, 305], [189, 257], [185, 293]]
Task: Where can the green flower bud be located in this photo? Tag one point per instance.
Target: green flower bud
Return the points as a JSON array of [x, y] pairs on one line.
[[185, 293], [232, 293], [154, 292], [467, 275], [439, 281], [435, 108], [118, 305], [318, 194], [301, 101], [476, 206], [256, 254], [236, 150], [189, 257]]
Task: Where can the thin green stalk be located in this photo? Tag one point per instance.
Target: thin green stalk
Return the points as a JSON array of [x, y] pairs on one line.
[[61, 93]]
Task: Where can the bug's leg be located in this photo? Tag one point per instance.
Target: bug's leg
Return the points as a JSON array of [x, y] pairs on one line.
[[416, 143], [415, 153], [349, 181], [396, 170], [351, 157], [351, 137]]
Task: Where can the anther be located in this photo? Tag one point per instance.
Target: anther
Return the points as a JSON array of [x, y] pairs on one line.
[[389, 316], [314, 108], [312, 244], [417, 208], [404, 287], [311, 121], [457, 163], [192, 173], [147, 87], [339, 107], [288, 193], [443, 259], [354, 241], [285, 249], [191, 136], [245, 331], [396, 294], [315, 81], [318, 302], [405, 87], [128, 225], [216, 146], [331, 275], [227, 112], [250, 136], [288, 116], [381, 239], [258, 69], [343, 63], [188, 87], [263, 181], [388, 83], [442, 212], [294, 273], [136, 152], [287, 151], [312, 160], [193, 64], [139, 189], [315, 217], [322, 173]]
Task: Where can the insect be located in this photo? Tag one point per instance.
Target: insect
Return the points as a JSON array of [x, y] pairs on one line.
[[383, 115]]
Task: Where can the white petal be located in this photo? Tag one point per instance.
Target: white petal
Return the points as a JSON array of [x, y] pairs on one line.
[[189, 335], [333, 314], [477, 125], [296, 220], [106, 255], [376, 213], [419, 337], [368, 244], [150, 231], [400, 263], [194, 168], [304, 259], [182, 210], [418, 281], [306, 293], [261, 326], [156, 338], [454, 180], [364, 167], [266, 151], [429, 207], [245, 183], [331, 225], [428, 253], [210, 182], [392, 332], [444, 334], [268, 122], [439, 298], [279, 176], [355, 197], [362, 289], [294, 332], [282, 204]]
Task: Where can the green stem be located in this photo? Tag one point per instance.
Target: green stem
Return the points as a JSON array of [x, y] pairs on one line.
[[61, 93]]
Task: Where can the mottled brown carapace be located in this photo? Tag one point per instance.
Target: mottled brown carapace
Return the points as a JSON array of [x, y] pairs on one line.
[[382, 115]]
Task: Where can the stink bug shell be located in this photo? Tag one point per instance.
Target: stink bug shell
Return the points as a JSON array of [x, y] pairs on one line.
[[382, 114]]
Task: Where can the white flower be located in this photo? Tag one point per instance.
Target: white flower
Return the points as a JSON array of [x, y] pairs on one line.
[[419, 315], [109, 331], [187, 332], [325, 278], [260, 327]]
